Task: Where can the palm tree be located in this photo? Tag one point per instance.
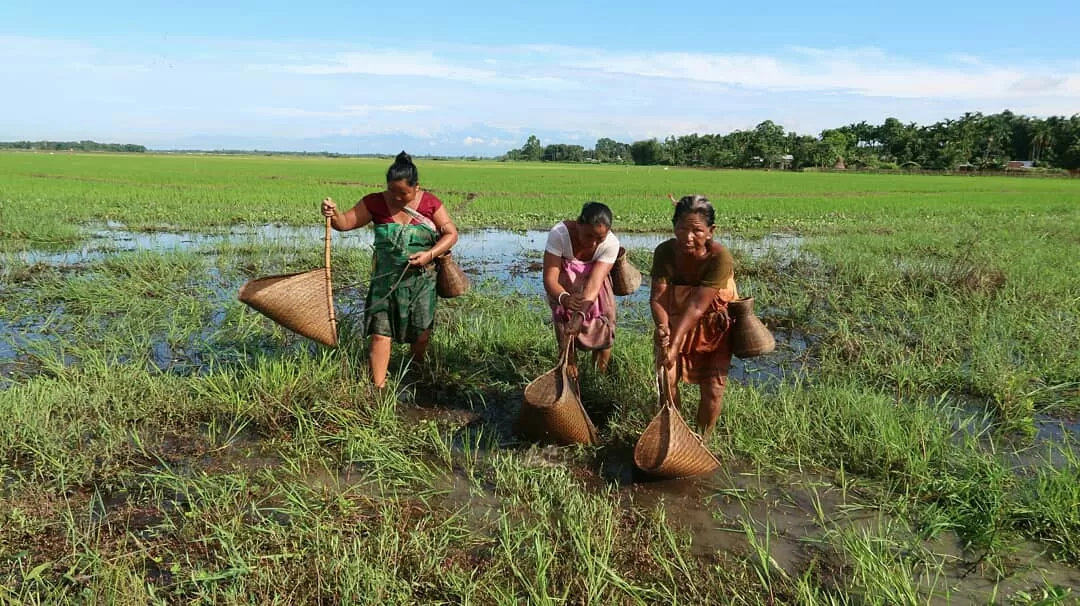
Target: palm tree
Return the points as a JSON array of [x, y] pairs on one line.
[[1042, 136]]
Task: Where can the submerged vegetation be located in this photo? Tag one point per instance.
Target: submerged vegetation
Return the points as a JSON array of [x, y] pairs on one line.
[[912, 441]]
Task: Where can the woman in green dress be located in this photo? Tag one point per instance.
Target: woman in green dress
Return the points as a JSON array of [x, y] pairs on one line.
[[412, 229]]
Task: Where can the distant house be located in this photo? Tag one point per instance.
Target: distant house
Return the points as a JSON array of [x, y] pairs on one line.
[[1019, 165]]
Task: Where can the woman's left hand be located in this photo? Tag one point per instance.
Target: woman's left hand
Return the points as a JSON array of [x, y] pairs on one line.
[[576, 302], [421, 259]]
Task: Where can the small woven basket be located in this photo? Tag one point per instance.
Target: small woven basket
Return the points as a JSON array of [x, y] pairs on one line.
[[301, 302], [625, 278], [450, 280], [669, 449], [551, 410], [749, 335]]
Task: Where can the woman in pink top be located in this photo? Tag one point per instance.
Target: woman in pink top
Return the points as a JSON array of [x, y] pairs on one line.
[[577, 260]]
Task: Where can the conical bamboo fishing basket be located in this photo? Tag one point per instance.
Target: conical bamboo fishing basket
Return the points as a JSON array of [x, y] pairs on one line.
[[669, 449], [302, 302], [551, 410], [749, 336], [450, 280], [625, 278]]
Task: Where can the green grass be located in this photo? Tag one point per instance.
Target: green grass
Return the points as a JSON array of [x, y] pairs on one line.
[[156, 191], [164, 444]]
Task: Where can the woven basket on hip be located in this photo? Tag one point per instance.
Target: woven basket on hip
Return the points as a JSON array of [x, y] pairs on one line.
[[668, 448], [450, 281], [302, 302], [749, 336], [625, 278], [551, 410]]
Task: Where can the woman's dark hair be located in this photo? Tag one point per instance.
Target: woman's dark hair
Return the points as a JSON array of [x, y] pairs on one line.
[[595, 213], [403, 168], [696, 204]]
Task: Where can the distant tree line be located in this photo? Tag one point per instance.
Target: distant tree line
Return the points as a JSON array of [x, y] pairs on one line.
[[264, 152], [73, 145], [972, 141]]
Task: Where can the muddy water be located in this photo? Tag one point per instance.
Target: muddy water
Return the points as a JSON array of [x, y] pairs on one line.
[[512, 259], [720, 510], [1052, 442], [738, 510], [15, 341], [8, 353], [499, 248]]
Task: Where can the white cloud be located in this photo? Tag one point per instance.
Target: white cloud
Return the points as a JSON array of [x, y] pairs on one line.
[[502, 143], [392, 64], [492, 97], [867, 72], [1037, 84], [346, 111]]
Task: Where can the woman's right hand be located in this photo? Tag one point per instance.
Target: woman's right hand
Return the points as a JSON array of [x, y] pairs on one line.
[[663, 333], [329, 209], [575, 323]]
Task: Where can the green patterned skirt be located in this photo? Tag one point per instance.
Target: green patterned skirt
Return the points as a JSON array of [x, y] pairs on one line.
[[401, 300]]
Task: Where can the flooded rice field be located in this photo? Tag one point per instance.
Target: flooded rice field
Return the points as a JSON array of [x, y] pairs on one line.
[[503, 263], [792, 523], [498, 247], [825, 484]]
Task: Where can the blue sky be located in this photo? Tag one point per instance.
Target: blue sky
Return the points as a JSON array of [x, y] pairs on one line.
[[479, 77]]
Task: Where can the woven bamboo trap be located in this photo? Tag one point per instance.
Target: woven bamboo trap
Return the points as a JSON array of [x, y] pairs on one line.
[[551, 410], [669, 449], [301, 302], [625, 278], [450, 281], [749, 335]]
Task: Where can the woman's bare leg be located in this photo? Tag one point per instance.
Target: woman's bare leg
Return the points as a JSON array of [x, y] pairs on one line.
[[419, 347], [379, 357], [712, 398]]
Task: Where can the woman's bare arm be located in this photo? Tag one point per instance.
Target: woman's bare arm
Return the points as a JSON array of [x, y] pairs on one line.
[[599, 272], [448, 232], [700, 300], [552, 267]]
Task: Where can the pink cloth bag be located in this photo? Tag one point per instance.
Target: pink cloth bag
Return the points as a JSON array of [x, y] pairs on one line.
[[598, 328]]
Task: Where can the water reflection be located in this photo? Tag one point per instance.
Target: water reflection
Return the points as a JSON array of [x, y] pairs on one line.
[[492, 246]]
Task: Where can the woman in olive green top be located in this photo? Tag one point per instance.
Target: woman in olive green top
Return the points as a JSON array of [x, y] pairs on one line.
[[692, 282]]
